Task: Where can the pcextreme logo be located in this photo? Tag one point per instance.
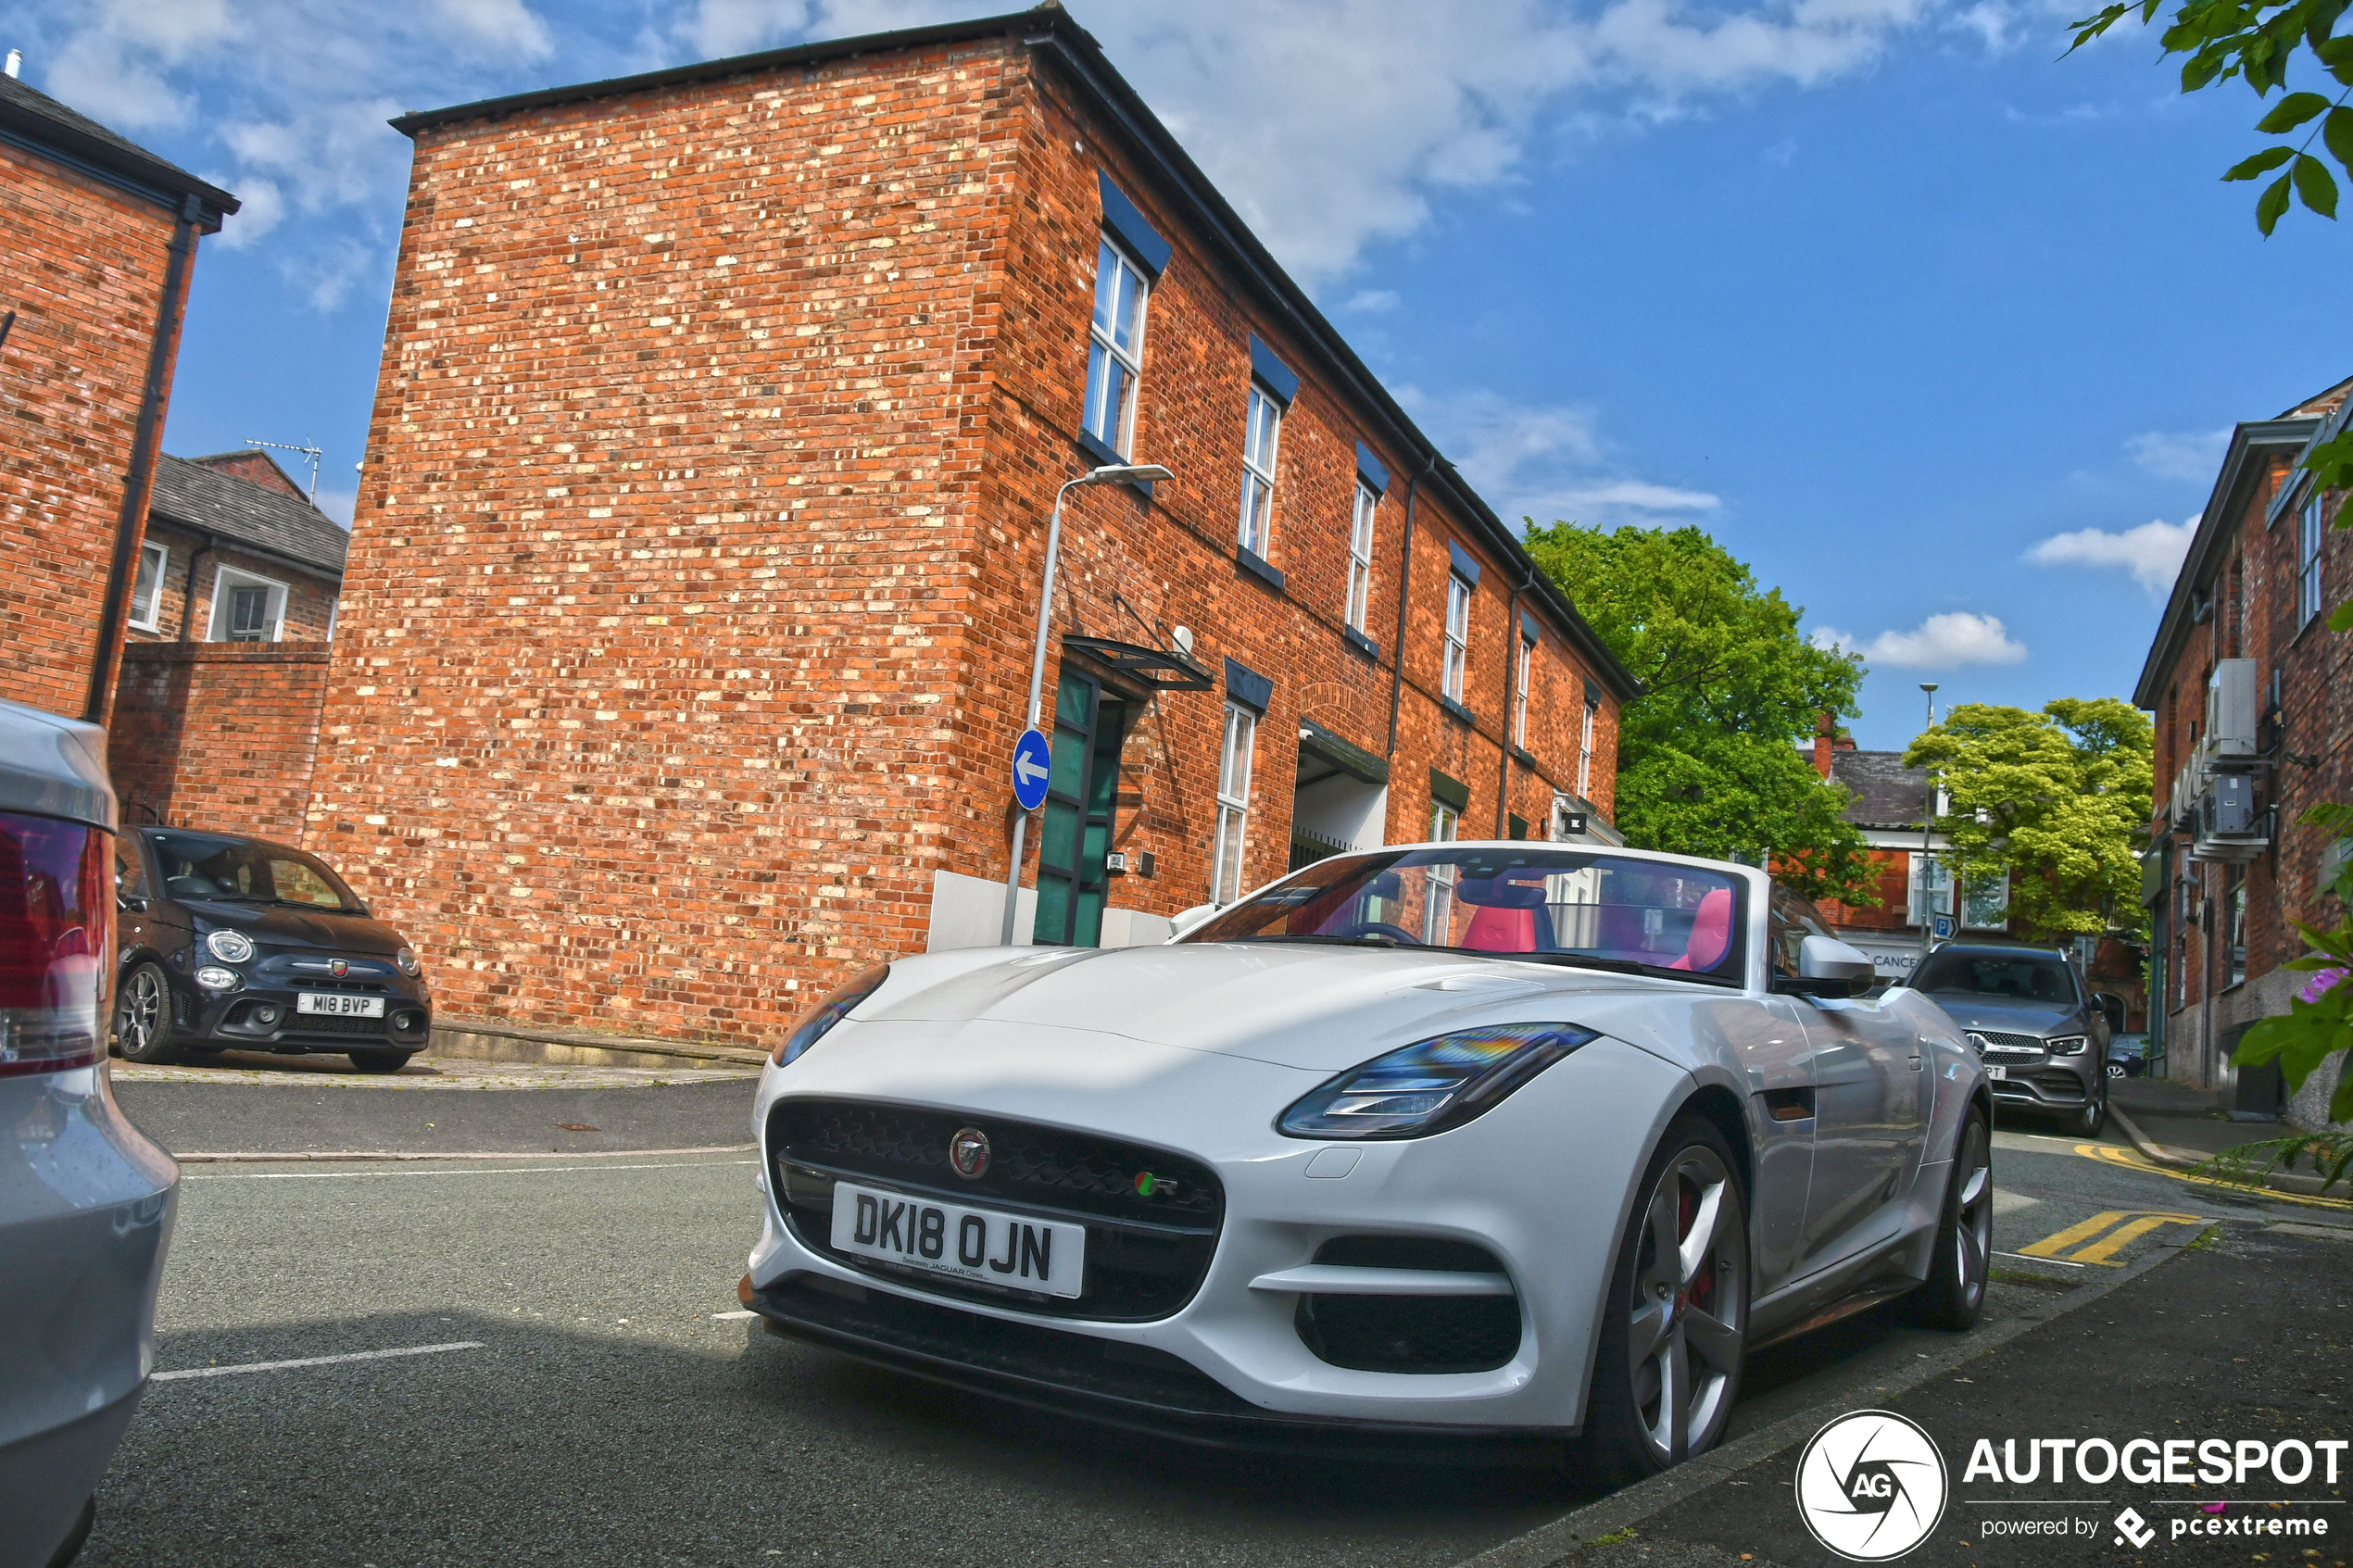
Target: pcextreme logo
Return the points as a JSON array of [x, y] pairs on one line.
[[1871, 1486]]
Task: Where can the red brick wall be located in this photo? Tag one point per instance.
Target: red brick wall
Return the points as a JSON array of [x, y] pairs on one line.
[[310, 601], [666, 704], [258, 467], [83, 265], [218, 734]]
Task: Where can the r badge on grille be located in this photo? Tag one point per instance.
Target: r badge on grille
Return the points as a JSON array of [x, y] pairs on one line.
[[968, 1152]]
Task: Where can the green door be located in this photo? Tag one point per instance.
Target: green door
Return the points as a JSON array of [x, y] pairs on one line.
[[1075, 837]]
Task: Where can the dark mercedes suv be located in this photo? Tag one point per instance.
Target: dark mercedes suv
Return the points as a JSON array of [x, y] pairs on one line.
[[2044, 1038], [231, 943]]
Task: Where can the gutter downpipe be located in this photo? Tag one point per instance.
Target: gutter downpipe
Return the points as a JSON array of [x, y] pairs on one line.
[[136, 481], [188, 593], [1510, 693], [1404, 588]]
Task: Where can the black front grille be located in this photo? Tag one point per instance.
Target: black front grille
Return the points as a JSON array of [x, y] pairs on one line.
[[1410, 1334], [319, 1023], [1148, 1241]]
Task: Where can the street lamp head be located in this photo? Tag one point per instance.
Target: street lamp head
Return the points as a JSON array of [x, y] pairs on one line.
[[1127, 473], [1928, 685]]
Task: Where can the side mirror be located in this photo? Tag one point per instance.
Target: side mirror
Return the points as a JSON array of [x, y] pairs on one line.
[[1827, 967], [1192, 918], [2112, 1009]]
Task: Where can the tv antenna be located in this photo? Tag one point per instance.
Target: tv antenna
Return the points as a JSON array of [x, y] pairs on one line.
[[310, 452]]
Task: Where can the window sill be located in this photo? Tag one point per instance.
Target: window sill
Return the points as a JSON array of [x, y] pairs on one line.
[[1100, 451], [1457, 712], [1527, 760], [1249, 560], [1360, 643]]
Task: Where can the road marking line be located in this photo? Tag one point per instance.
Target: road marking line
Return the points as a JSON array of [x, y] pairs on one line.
[[728, 1317], [508, 1171], [315, 1361], [2132, 1160], [2053, 1244], [2060, 1261], [2106, 1250]]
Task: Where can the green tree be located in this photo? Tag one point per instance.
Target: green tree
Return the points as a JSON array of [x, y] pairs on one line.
[[1706, 763], [2059, 800], [2261, 42]]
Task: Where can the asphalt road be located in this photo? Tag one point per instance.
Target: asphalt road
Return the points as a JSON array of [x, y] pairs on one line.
[[604, 1411]]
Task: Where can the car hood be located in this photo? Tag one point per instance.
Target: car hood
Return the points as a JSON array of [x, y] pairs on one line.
[[2016, 1018], [1309, 1006], [275, 925]]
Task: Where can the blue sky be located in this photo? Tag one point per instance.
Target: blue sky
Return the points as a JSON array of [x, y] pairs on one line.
[[1940, 333]]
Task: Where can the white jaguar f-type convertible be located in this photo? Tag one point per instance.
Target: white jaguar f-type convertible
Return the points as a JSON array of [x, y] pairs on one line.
[[1448, 1141]]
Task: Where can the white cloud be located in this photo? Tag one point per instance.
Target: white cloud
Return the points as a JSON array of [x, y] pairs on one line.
[[505, 25], [1546, 461], [2152, 553], [2189, 455], [1956, 637], [1331, 124], [1373, 302]]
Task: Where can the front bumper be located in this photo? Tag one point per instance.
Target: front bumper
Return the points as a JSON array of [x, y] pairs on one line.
[[2039, 1081], [240, 1019], [1539, 1184]]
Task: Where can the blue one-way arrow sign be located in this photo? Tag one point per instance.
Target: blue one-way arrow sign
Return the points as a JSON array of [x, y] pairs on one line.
[[1033, 765]]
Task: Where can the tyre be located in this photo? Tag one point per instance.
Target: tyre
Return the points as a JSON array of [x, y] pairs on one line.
[[2116, 1070], [1955, 1292], [381, 1062], [2088, 1122], [1675, 1322], [142, 1026]]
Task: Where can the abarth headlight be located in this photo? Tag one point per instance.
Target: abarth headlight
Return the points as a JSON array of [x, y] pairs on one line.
[[2066, 1045], [406, 960], [229, 947], [1431, 1085], [829, 1012]]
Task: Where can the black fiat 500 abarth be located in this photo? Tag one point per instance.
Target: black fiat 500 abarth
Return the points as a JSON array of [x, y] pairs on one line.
[[233, 942]]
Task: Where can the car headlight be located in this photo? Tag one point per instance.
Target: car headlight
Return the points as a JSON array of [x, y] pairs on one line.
[[2066, 1045], [406, 960], [1429, 1087], [829, 1012], [213, 979], [229, 947]]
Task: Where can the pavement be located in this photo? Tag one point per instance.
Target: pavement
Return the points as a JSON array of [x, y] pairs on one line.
[[542, 1359]]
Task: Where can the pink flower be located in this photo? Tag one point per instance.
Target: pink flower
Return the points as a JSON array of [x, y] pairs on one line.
[[2321, 983]]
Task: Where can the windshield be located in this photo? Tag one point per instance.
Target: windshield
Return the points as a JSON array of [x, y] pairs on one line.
[[2017, 977], [203, 865], [1607, 911]]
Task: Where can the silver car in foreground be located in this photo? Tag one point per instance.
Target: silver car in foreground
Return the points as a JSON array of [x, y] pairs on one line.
[[85, 1200]]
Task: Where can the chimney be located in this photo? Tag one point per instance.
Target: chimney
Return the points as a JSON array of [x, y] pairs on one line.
[[1825, 741], [16, 62]]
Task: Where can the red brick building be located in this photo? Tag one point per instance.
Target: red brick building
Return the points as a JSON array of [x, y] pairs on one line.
[[215, 717], [688, 617], [2253, 702], [97, 241]]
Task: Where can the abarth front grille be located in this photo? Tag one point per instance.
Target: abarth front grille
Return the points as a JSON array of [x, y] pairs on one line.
[[1148, 1241], [322, 1024]]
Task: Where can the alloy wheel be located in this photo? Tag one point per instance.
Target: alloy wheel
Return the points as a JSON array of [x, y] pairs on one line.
[[141, 1011], [1973, 1213], [1690, 1307]]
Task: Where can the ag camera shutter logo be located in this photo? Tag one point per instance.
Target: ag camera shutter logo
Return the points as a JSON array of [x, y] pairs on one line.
[[1871, 1486]]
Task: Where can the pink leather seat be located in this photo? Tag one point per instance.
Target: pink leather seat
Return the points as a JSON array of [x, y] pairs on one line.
[[1711, 933], [1502, 931]]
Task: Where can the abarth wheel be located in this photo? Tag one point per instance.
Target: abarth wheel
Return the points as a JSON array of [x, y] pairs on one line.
[[1676, 1335], [1964, 1256], [142, 1018]]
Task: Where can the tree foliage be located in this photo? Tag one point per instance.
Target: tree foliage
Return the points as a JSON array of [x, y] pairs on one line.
[[2058, 799], [2261, 41], [1706, 763]]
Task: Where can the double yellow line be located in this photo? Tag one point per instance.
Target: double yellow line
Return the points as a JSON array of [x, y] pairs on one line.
[[2129, 1225]]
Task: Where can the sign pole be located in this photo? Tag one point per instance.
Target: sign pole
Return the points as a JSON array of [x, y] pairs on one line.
[[1036, 692]]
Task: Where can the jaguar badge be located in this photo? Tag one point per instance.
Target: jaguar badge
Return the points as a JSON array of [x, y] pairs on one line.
[[968, 1152]]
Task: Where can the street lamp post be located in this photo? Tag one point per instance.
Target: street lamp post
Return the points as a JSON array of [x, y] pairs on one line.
[[1928, 827], [1111, 473]]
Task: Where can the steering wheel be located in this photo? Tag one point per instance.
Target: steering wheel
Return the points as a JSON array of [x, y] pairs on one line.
[[1380, 928]]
